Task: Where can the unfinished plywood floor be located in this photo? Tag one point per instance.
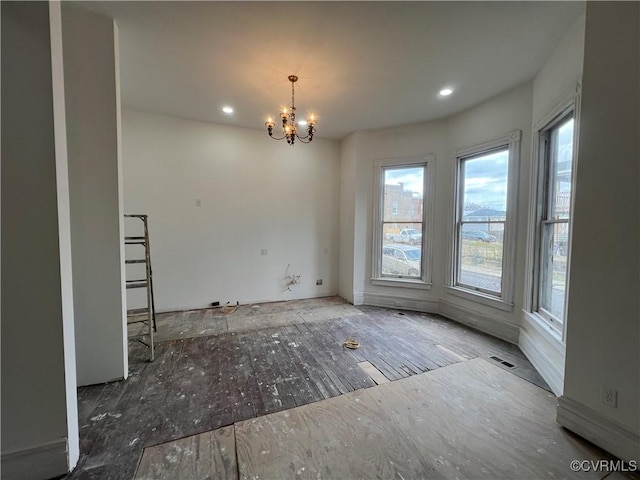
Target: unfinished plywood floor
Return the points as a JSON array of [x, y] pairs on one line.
[[469, 420], [202, 383]]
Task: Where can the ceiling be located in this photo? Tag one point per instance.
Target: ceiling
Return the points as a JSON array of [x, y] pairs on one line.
[[362, 65]]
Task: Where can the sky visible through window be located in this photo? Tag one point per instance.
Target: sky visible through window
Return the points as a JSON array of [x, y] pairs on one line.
[[485, 181], [411, 178]]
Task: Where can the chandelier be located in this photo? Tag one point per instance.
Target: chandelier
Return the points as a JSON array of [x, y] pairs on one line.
[[290, 129]]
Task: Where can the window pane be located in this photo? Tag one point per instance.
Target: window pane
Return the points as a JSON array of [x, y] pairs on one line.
[[484, 191], [484, 211], [480, 256], [560, 170], [402, 249], [553, 271], [410, 233], [403, 194]]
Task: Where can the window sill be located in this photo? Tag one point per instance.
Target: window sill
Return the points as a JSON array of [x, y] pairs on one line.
[[479, 297], [401, 282]]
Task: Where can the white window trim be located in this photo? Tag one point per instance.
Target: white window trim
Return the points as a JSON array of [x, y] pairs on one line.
[[504, 301], [570, 101], [429, 162]]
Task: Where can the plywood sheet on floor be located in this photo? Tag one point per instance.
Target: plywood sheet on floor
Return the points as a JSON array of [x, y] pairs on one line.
[[468, 420], [193, 458]]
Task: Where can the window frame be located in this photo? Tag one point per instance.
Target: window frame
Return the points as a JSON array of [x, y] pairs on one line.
[[542, 158], [503, 301], [380, 165], [571, 100]]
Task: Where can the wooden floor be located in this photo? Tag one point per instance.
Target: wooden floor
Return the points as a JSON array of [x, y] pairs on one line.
[[469, 420], [201, 383]]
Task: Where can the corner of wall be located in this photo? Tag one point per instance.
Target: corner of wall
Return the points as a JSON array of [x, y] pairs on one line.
[[544, 351], [598, 429]]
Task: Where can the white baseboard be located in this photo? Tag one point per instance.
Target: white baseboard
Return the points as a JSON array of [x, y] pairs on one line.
[[480, 321], [358, 298], [35, 463], [532, 346], [401, 302], [595, 427]]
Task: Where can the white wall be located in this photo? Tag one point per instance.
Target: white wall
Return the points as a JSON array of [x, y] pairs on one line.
[[491, 119], [561, 71], [347, 217], [255, 193], [410, 141], [39, 411], [92, 100], [603, 325], [555, 85], [497, 117]]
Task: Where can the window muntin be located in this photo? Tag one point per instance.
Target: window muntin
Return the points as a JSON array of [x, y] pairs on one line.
[[481, 219], [554, 219]]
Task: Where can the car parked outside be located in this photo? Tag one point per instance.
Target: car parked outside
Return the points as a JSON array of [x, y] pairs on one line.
[[401, 260], [406, 235], [478, 235]]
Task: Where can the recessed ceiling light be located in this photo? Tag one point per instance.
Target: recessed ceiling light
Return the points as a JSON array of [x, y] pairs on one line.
[[227, 109], [302, 123], [446, 92]]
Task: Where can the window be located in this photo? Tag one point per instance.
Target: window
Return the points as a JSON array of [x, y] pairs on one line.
[[554, 219], [481, 220], [482, 260], [401, 251]]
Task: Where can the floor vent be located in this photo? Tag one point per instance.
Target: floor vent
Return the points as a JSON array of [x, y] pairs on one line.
[[503, 362]]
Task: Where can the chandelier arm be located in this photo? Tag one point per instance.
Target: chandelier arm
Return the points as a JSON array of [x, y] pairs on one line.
[[302, 139]]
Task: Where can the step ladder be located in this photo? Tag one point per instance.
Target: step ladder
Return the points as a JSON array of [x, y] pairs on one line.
[[147, 314]]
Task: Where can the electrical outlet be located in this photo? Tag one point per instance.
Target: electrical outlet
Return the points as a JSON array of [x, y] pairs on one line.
[[609, 396], [319, 281], [263, 251], [198, 202]]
